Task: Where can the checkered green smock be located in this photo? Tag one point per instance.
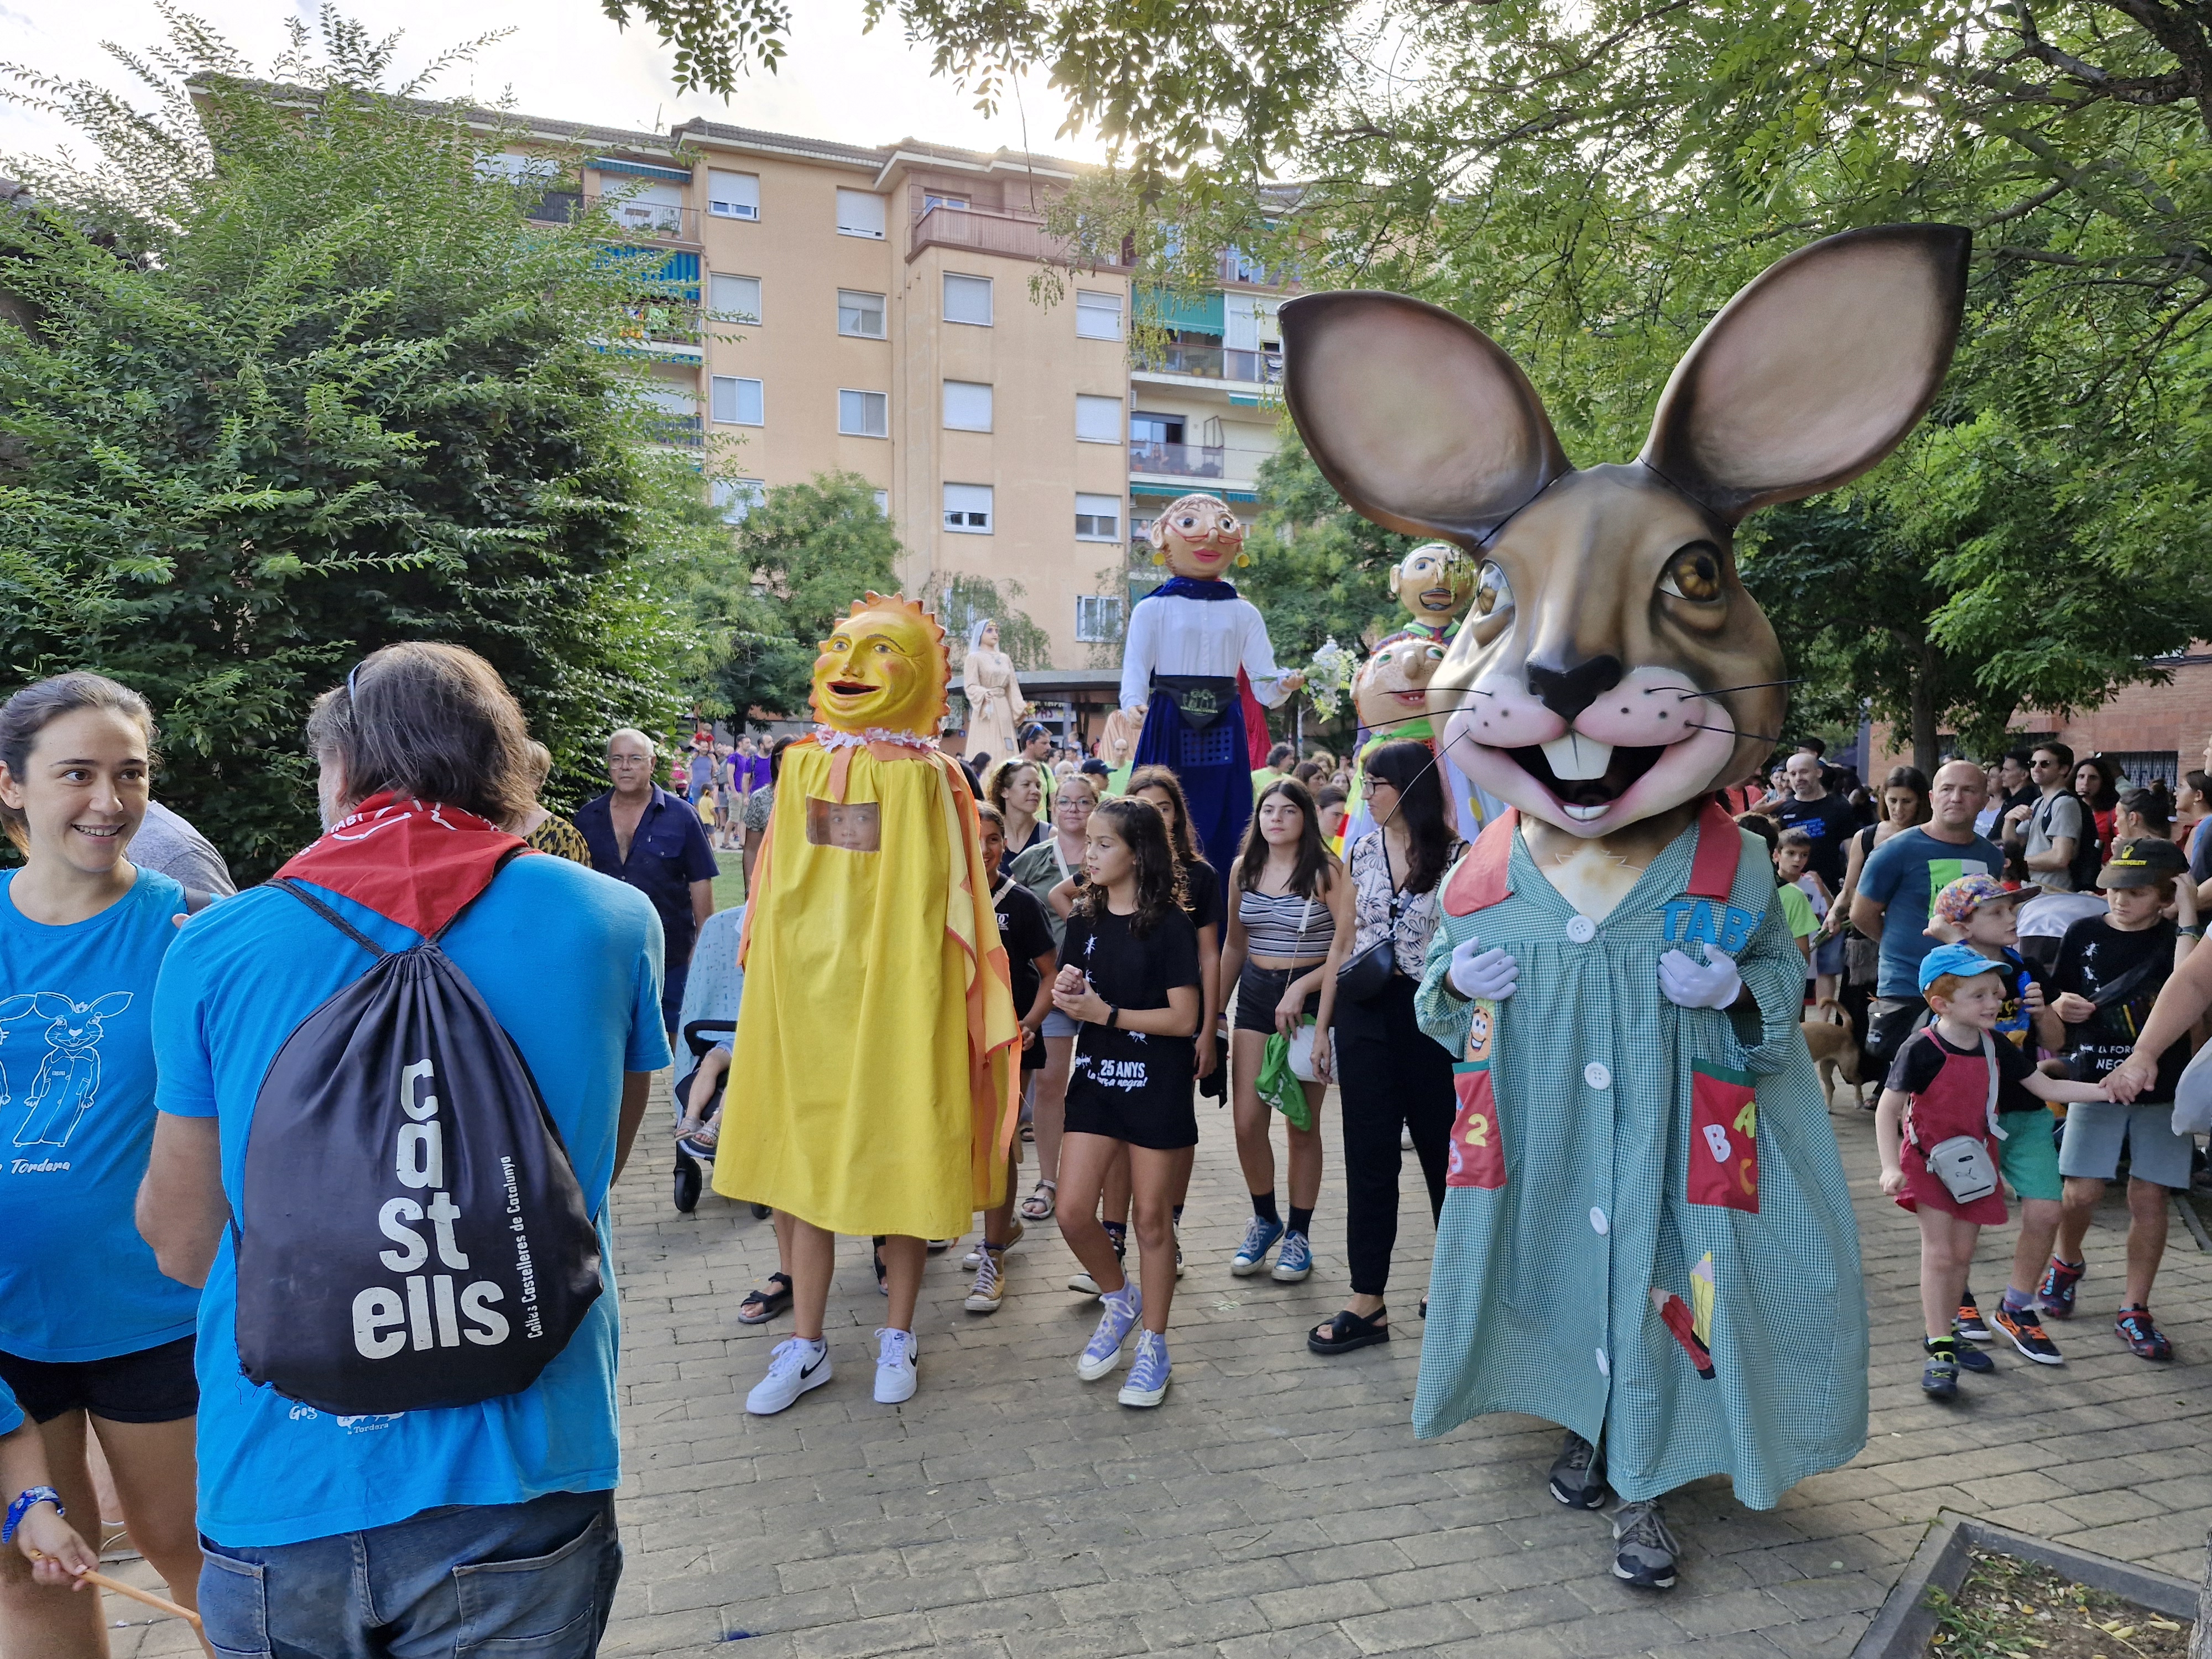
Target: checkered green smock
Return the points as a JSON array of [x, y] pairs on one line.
[[1542, 1297]]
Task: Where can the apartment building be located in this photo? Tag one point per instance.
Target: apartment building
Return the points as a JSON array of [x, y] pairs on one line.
[[871, 310]]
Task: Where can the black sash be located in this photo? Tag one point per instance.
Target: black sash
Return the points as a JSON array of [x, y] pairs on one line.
[[1200, 699]]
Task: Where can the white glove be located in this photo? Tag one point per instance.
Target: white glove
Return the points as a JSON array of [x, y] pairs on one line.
[[1713, 984], [1475, 972]]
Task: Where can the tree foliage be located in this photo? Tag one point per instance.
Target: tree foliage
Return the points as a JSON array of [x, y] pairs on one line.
[[287, 378]]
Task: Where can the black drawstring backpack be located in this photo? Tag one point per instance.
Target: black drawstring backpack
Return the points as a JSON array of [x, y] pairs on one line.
[[412, 1234]]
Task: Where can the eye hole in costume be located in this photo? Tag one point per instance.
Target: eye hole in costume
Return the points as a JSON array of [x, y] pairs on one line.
[[1493, 594], [1694, 573], [854, 826], [1436, 653]]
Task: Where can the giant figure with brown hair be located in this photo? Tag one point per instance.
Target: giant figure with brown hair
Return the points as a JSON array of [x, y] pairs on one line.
[[877, 1040], [1646, 1235]]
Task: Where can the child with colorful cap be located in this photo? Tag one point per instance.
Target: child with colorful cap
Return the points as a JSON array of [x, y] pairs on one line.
[[1938, 1129], [1980, 912]]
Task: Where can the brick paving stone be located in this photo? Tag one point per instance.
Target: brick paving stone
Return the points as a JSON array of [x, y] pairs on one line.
[[1279, 1507]]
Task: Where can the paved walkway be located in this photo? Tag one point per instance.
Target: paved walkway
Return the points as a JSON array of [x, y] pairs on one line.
[[1279, 1504]]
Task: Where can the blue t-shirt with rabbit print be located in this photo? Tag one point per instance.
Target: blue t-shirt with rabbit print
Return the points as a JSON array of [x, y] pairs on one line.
[[76, 1128]]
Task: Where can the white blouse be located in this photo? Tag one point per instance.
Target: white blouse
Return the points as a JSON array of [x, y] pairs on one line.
[[1212, 638]]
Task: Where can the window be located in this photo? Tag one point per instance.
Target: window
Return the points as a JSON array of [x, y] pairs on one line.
[[967, 508], [734, 299], [732, 195], [859, 213], [1155, 428], [864, 414], [934, 199], [1097, 316], [1097, 618], [738, 496], [967, 406], [860, 314], [737, 401], [884, 503], [1097, 518], [1097, 420], [968, 299]]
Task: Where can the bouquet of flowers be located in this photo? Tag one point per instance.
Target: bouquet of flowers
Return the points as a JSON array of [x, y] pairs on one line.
[[1328, 677]]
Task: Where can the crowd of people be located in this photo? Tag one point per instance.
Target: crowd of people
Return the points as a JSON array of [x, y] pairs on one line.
[[2011, 946]]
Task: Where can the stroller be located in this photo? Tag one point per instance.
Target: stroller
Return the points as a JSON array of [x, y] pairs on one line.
[[707, 1017]]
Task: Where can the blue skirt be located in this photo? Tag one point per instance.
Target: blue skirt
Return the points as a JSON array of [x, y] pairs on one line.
[[1213, 765]]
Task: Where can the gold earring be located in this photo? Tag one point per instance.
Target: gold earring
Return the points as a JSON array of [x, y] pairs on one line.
[[1158, 557], [1243, 559]]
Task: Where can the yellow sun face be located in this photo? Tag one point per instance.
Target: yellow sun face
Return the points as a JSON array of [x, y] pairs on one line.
[[884, 668]]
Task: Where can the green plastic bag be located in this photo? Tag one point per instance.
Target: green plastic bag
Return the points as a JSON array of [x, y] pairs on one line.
[[1279, 1085]]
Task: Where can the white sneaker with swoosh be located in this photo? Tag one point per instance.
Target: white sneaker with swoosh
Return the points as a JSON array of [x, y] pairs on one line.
[[795, 1366]]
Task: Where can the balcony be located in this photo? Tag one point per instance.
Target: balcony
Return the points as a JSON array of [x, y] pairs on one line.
[[987, 230], [676, 431], [1215, 363], [653, 219], [1177, 460], [666, 333]]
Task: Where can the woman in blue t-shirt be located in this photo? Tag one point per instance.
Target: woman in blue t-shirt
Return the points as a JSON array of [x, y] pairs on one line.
[[91, 1332]]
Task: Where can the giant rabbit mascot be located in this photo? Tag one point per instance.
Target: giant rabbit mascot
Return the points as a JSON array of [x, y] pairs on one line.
[[1646, 1237]]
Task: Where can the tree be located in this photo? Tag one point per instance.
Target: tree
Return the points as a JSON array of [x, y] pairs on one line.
[[1318, 568], [288, 377], [760, 604]]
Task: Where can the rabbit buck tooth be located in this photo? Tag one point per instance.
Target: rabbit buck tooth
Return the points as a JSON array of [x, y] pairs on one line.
[[1574, 757]]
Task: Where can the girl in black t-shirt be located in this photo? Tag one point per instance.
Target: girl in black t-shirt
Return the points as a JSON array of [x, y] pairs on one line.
[[1129, 977]]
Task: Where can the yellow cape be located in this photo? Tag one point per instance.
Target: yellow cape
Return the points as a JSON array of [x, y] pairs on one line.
[[875, 1083]]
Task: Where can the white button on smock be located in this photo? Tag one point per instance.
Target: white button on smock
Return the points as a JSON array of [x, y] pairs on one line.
[[1582, 930], [1598, 1225], [1596, 1075]]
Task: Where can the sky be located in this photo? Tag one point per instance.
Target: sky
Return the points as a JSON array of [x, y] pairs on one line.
[[563, 59]]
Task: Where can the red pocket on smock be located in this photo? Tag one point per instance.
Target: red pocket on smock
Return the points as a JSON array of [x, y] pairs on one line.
[[1723, 1138], [1477, 1158]]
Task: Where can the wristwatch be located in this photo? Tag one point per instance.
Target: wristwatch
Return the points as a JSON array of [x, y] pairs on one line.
[[1113, 1018], [22, 1506]]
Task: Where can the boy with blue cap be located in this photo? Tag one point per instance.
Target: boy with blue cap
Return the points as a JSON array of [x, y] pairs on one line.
[[1938, 1131]]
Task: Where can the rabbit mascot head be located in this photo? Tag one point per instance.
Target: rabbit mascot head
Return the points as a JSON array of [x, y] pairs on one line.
[[1611, 669]]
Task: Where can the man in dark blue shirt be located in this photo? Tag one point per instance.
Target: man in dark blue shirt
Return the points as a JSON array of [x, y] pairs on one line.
[[641, 834]]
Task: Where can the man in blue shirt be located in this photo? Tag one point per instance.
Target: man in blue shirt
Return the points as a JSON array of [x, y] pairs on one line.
[[1896, 895], [641, 833], [330, 1536]]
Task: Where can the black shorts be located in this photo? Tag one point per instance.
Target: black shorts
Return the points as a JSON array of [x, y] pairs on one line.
[[154, 1385], [1158, 1113], [1260, 992]]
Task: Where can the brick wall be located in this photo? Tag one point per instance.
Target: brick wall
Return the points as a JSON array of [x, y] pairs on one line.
[[2176, 716]]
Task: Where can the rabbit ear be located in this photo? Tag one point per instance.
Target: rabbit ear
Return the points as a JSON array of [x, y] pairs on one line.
[[52, 1005], [113, 1003], [1816, 369], [1421, 422], [16, 1007]]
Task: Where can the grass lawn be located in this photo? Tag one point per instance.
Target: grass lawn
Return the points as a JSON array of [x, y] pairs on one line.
[[730, 885]]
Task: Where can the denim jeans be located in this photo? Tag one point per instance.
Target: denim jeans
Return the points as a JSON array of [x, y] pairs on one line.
[[519, 1581]]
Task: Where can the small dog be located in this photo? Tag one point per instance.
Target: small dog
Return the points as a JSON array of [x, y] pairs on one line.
[[1835, 1049]]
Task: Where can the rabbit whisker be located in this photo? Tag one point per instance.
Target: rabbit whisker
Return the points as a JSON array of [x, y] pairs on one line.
[[1733, 731], [1756, 686]]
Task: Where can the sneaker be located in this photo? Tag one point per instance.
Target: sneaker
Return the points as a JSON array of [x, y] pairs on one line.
[[1103, 1352], [1939, 1378], [2056, 1292], [1646, 1556], [895, 1356], [1147, 1382], [1970, 1324], [990, 1286], [2028, 1335], [795, 1366], [1578, 1474], [1295, 1260], [1080, 1280], [2144, 1339], [975, 1257], [1251, 1255], [937, 1246]]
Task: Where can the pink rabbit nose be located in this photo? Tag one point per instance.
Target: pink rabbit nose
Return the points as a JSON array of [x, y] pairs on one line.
[[1567, 691]]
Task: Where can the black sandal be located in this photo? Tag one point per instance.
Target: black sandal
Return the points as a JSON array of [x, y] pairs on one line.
[[761, 1306], [1347, 1331]]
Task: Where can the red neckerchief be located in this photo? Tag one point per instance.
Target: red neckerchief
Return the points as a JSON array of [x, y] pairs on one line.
[[417, 863]]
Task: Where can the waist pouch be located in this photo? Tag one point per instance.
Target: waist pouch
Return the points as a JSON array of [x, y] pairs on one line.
[[1200, 699], [1965, 1167]]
